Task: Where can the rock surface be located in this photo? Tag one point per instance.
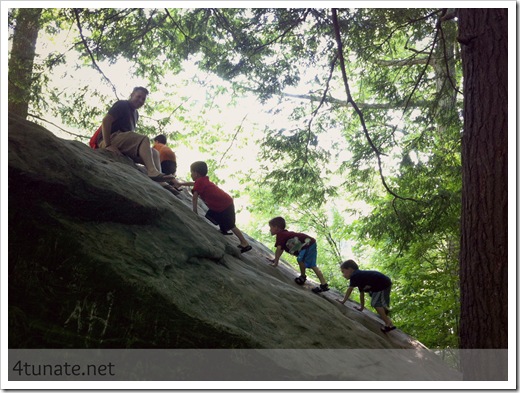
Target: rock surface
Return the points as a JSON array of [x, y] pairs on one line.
[[100, 256]]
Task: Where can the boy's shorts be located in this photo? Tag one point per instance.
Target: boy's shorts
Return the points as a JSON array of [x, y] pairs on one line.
[[308, 256], [169, 167], [381, 298], [224, 219]]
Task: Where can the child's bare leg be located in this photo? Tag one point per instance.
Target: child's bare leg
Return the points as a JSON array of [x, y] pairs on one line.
[[302, 268], [238, 233], [319, 274], [382, 313]]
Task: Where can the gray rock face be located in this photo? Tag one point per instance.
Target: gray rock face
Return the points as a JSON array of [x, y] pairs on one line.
[[100, 256]]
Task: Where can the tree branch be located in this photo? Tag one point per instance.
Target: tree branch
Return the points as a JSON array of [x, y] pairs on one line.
[[57, 126], [402, 62], [363, 105], [422, 72], [233, 140], [315, 111], [85, 44], [356, 108]]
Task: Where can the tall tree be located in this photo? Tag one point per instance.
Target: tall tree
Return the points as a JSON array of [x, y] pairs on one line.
[[483, 258], [22, 59]]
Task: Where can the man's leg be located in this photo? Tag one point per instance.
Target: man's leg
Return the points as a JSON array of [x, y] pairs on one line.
[[156, 158], [145, 156]]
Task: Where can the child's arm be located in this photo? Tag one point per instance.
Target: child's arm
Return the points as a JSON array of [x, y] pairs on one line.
[[347, 295], [278, 253], [361, 301], [194, 201]]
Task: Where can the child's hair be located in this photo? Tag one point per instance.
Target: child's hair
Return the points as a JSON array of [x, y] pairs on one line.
[[200, 167], [160, 139], [349, 264], [277, 222]]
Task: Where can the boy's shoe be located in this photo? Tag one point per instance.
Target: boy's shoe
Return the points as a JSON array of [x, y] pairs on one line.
[[321, 288], [386, 329], [300, 280], [245, 248]]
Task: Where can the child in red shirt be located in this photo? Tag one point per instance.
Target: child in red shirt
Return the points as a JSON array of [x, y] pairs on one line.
[[302, 246], [221, 209]]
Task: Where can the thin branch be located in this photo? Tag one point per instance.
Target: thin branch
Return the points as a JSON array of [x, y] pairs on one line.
[[259, 48], [410, 22], [356, 108], [85, 44], [291, 27], [186, 36], [315, 111], [422, 72], [57, 126], [412, 60], [362, 105], [233, 140]]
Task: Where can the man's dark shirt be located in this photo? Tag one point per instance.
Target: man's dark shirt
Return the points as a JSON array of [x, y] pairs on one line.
[[369, 280], [125, 116]]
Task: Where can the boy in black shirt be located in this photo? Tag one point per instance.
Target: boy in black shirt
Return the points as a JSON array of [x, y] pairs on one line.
[[375, 283]]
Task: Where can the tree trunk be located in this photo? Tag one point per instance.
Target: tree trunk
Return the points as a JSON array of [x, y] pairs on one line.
[[22, 59], [483, 258]]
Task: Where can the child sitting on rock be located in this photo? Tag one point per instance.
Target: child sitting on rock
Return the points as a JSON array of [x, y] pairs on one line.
[[221, 209], [302, 246], [375, 283]]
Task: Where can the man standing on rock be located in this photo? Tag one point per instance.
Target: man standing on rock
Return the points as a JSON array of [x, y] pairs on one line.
[[118, 134]]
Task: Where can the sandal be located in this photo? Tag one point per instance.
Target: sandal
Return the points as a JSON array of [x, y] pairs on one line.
[[321, 288], [161, 177], [245, 249], [386, 329], [300, 280]]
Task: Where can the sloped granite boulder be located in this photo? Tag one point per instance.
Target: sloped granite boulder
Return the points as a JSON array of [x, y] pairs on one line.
[[100, 256]]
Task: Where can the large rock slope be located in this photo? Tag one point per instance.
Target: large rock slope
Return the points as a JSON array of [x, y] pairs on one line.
[[102, 257]]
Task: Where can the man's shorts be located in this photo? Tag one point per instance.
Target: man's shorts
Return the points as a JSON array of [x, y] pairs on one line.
[[381, 298], [225, 219], [308, 256], [128, 143]]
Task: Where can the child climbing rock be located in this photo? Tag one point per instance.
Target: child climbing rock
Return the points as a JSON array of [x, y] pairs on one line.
[[375, 283], [302, 246], [221, 209]]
